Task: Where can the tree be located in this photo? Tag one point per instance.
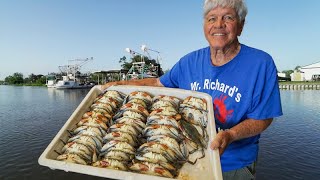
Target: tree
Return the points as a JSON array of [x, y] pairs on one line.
[[16, 78], [35, 79], [32, 78], [124, 64], [288, 72], [138, 58], [127, 65], [297, 68], [41, 80]]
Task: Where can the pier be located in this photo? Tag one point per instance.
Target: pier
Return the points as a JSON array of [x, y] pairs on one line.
[[299, 86]]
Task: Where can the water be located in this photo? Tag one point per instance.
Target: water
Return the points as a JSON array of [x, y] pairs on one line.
[[289, 148], [30, 117]]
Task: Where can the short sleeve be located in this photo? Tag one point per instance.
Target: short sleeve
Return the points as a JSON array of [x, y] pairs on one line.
[[171, 78], [266, 102]]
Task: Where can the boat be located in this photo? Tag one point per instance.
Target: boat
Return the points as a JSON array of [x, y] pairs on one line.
[[71, 82], [51, 81], [72, 78]]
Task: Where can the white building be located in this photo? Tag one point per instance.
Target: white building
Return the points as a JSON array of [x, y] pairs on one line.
[[297, 76], [311, 71]]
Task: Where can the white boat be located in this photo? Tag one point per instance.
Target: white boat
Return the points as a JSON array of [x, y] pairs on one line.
[[51, 84], [69, 82], [51, 81], [73, 78]]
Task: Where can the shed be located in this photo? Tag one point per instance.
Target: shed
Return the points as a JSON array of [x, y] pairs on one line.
[[297, 76]]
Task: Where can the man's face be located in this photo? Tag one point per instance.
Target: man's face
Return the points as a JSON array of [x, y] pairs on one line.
[[221, 27]]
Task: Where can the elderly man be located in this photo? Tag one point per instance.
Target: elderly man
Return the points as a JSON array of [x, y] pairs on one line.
[[241, 80]]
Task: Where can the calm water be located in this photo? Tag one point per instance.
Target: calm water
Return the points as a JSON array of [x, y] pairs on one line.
[[30, 117]]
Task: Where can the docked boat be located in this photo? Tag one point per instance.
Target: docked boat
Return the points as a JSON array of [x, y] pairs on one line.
[[70, 82], [51, 81], [72, 78]]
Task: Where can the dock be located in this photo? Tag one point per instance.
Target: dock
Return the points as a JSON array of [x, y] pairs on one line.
[[299, 86]]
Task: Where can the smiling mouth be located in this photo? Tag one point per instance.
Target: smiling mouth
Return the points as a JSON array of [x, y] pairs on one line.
[[218, 34]]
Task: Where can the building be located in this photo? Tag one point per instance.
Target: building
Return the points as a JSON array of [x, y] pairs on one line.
[[297, 76], [311, 72]]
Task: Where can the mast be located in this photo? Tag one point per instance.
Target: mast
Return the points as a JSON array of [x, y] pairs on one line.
[[73, 67]]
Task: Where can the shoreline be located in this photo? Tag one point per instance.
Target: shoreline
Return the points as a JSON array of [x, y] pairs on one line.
[[40, 85], [282, 85]]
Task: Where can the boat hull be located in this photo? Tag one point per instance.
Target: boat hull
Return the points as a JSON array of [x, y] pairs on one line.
[[71, 85]]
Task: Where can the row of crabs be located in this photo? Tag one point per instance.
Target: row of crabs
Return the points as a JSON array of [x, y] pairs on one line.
[[119, 133]]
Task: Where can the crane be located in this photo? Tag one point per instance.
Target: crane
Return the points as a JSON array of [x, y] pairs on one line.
[[74, 67], [145, 49]]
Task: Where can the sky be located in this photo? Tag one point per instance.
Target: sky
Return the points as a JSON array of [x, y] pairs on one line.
[[38, 36]]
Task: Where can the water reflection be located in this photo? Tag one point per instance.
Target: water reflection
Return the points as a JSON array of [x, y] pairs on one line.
[[71, 95], [307, 98]]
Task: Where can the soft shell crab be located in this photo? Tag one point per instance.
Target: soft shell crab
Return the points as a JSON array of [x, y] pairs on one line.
[[172, 99], [151, 168], [145, 96], [195, 102], [195, 116], [136, 132]]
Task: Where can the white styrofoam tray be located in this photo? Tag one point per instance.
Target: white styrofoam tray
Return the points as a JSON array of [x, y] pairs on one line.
[[208, 168]]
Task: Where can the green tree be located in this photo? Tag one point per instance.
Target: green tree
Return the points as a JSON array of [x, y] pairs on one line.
[[41, 80], [32, 78], [288, 72], [26, 80], [16, 78], [124, 64], [138, 58], [35, 79], [297, 68]]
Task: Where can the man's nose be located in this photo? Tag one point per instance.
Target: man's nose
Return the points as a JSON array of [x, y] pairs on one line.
[[219, 23]]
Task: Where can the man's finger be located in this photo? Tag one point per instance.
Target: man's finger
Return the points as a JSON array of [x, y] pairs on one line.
[[215, 144]]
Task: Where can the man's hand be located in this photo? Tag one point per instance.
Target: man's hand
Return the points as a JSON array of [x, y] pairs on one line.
[[136, 82], [245, 129], [222, 140]]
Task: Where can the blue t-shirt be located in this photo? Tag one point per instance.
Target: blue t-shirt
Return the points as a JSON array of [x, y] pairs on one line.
[[246, 87]]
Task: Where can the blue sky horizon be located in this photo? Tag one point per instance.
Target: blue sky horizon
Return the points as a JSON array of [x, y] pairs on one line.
[[38, 36]]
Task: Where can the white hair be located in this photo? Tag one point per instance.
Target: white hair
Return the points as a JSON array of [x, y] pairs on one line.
[[239, 6]]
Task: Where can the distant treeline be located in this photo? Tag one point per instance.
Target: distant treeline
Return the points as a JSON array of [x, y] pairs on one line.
[[18, 79]]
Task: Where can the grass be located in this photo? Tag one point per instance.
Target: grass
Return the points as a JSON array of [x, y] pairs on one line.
[[26, 84], [34, 85]]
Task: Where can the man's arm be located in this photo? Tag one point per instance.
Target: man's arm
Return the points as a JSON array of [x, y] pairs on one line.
[[137, 82], [245, 129]]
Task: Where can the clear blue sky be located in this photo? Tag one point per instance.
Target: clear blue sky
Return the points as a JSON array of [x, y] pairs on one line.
[[38, 36]]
